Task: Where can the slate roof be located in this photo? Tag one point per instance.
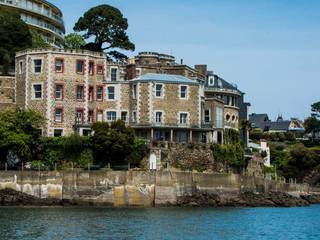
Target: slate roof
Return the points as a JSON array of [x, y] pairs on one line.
[[221, 83], [258, 120], [167, 78], [277, 126]]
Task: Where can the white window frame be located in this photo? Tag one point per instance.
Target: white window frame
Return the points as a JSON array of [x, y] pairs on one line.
[[114, 93], [55, 65], [117, 75], [126, 112], [34, 93], [211, 81], [34, 65], [134, 91], [187, 119], [138, 70], [162, 90], [98, 113], [111, 116], [55, 115], [134, 116], [61, 92], [186, 93], [20, 66], [60, 129], [161, 118], [209, 115]]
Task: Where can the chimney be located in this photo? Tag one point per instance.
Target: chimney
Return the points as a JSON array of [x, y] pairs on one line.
[[181, 61], [201, 69], [131, 71]]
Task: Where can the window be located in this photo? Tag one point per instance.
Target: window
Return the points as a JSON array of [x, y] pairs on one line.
[[211, 81], [58, 115], [183, 118], [37, 91], [59, 92], [91, 68], [99, 93], [37, 65], [134, 91], [158, 117], [111, 116], [110, 93], [79, 117], [80, 66], [158, 90], [138, 72], [206, 116], [134, 116], [79, 92], [99, 116], [219, 117], [59, 65], [58, 132], [91, 94], [20, 67], [183, 92], [124, 116], [90, 116], [100, 69], [114, 73]]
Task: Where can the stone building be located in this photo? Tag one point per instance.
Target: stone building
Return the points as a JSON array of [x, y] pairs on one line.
[[67, 87], [73, 89], [40, 16], [235, 109], [7, 92]]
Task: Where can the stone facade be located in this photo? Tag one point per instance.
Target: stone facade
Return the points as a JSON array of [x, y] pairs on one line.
[[75, 88], [7, 92]]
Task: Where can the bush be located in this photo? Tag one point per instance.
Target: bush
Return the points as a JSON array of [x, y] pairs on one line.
[[233, 155]]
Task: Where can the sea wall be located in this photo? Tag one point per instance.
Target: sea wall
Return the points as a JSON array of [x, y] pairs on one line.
[[137, 188]]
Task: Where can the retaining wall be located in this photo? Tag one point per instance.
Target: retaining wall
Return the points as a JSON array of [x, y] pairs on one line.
[[136, 188]]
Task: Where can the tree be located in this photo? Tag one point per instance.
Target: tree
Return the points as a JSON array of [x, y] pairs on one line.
[[38, 41], [312, 125], [19, 132], [315, 107], [108, 27], [74, 41], [112, 143], [14, 36]]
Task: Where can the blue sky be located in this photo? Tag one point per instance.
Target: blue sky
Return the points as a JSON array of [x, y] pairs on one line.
[[269, 48]]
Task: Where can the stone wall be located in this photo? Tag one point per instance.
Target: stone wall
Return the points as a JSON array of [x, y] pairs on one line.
[[137, 188], [7, 92]]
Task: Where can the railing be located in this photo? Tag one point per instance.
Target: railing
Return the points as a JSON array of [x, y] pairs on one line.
[[51, 15]]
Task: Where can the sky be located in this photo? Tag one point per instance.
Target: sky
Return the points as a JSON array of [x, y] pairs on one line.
[[269, 48]]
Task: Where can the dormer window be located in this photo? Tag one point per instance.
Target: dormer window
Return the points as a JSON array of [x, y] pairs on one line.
[[211, 81]]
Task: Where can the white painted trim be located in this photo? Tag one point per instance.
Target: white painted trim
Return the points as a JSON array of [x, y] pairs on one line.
[[86, 90], [33, 93], [188, 118], [118, 73], [162, 90], [49, 93], [138, 103], [33, 66], [27, 84], [116, 93], [179, 92], [111, 110], [162, 117], [150, 102]]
